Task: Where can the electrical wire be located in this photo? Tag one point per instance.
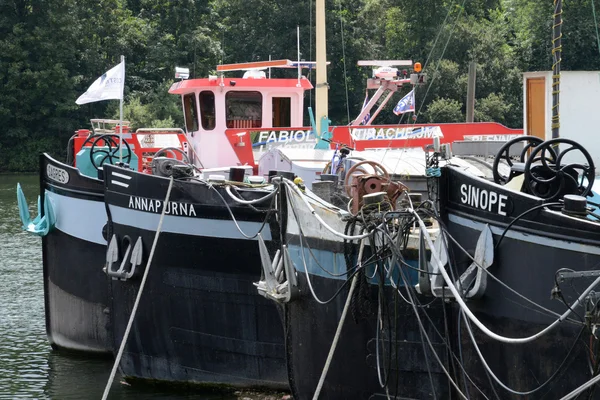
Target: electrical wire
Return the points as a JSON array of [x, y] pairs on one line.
[[559, 370], [247, 202], [499, 281], [262, 226], [470, 314], [295, 189], [415, 303], [521, 216]]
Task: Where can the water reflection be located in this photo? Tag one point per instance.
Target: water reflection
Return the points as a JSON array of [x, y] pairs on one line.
[[29, 368]]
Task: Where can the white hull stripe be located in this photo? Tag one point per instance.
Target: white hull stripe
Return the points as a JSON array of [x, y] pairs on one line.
[[119, 183], [206, 227], [118, 175], [83, 219], [527, 237]]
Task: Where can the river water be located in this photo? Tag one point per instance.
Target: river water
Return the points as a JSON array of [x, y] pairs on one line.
[[29, 368]]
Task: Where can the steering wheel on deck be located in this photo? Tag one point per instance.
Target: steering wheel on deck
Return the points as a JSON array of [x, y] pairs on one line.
[[550, 179], [379, 170], [111, 141], [517, 168], [172, 151]]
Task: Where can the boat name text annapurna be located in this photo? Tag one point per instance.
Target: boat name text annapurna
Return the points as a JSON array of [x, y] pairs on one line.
[[485, 200], [155, 206]]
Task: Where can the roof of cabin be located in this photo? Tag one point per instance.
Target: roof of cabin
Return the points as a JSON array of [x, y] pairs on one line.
[[192, 85]]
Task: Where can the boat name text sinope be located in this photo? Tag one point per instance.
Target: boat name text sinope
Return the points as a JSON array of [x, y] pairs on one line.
[[485, 200]]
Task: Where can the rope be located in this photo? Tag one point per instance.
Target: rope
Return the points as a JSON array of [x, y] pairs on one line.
[[433, 172], [581, 388], [339, 328], [472, 316], [437, 66], [344, 61], [139, 296], [596, 24], [293, 187], [248, 202]]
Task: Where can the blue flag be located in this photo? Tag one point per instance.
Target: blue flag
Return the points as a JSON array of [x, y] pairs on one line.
[[406, 104]]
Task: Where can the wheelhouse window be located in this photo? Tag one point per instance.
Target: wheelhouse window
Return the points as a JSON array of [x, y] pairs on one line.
[[282, 110], [244, 109], [190, 112], [207, 110]]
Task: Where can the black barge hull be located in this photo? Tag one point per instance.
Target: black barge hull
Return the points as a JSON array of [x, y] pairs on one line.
[[75, 286], [526, 259], [200, 319]]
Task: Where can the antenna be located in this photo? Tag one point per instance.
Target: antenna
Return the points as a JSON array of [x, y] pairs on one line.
[[298, 46]]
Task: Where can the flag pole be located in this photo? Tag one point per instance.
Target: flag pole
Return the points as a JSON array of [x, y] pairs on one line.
[[121, 113]]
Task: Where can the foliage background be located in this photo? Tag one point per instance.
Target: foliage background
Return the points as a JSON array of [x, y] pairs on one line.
[[52, 50]]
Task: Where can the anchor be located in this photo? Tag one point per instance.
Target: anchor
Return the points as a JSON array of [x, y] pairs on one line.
[[112, 257], [41, 225], [274, 285], [472, 283]]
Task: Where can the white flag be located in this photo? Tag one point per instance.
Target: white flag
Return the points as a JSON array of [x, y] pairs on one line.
[[108, 86]]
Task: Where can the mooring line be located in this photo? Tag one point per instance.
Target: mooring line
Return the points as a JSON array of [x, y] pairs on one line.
[[139, 296], [339, 328]]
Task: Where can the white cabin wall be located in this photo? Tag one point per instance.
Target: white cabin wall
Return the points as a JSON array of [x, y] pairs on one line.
[[579, 109], [212, 147]]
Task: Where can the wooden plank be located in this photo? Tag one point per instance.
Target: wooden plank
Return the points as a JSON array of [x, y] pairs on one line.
[[254, 65], [536, 107]]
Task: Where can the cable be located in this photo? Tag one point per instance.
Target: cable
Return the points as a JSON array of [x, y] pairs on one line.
[[338, 330], [499, 382], [470, 314], [521, 216], [445, 342], [448, 235], [344, 61], [262, 226], [422, 329], [139, 295], [293, 187], [247, 202], [308, 281]]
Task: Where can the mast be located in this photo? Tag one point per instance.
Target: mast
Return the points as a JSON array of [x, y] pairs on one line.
[[321, 91], [556, 59]]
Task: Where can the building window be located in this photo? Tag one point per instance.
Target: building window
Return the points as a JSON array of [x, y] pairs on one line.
[[207, 110], [244, 109], [189, 109]]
